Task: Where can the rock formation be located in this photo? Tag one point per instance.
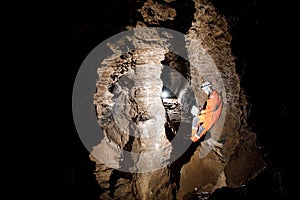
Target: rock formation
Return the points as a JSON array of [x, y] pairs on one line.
[[133, 118]]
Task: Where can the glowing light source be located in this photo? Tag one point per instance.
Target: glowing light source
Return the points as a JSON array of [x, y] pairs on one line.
[[165, 94]]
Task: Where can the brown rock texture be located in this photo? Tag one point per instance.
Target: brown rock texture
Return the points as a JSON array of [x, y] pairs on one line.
[[128, 104], [242, 157], [132, 116], [154, 12]]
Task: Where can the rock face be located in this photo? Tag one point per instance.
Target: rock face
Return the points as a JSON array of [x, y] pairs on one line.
[[242, 158], [132, 115]]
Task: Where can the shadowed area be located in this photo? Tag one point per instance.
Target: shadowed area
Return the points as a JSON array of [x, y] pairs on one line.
[[150, 73], [54, 161]]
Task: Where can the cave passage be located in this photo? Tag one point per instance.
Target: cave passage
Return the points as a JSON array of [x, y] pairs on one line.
[[143, 104]]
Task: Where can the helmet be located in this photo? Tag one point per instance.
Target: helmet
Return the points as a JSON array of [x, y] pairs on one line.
[[206, 84]]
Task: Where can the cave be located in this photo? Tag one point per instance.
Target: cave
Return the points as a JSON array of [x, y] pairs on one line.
[[48, 156], [143, 100]]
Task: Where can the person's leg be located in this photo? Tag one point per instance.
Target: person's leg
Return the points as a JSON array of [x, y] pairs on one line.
[[213, 143], [210, 144], [200, 130], [207, 135], [215, 146], [195, 125]]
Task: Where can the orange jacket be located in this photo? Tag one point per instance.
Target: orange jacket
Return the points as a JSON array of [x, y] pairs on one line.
[[212, 112]]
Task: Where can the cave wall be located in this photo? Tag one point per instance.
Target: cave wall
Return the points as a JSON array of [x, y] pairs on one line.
[[138, 69], [128, 102]]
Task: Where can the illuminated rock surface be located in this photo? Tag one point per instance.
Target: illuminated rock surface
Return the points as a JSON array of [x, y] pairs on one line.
[[132, 81]]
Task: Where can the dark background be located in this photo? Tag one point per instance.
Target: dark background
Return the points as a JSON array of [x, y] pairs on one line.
[[45, 43]]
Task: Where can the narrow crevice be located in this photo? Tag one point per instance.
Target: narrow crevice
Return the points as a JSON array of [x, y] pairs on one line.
[[113, 181], [176, 166], [128, 145], [175, 112], [170, 128]]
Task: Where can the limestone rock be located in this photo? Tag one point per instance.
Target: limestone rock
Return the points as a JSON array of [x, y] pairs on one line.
[[132, 116]]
